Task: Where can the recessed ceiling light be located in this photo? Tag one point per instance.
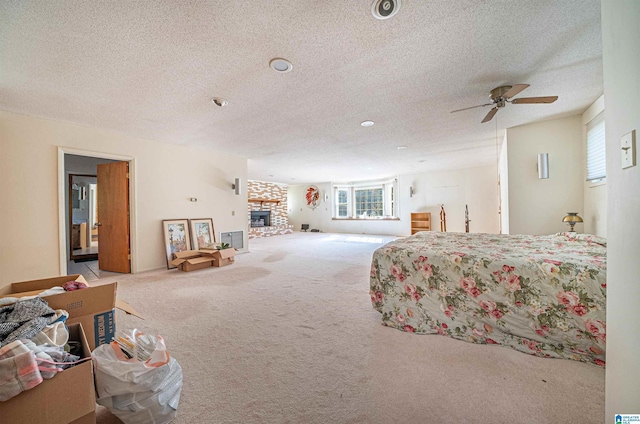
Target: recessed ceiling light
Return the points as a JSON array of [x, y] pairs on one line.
[[271, 175], [367, 123], [280, 65], [402, 147], [384, 9], [219, 101]]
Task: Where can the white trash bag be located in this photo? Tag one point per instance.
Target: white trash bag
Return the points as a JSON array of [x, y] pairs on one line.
[[139, 383]]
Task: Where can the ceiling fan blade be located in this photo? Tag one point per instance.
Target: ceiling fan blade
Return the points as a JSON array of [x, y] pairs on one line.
[[516, 89], [490, 115], [472, 107], [529, 100]]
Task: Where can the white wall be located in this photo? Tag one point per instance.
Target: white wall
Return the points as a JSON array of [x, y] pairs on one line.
[[537, 206], [595, 194], [475, 187], [620, 33], [166, 177], [503, 165], [300, 213]]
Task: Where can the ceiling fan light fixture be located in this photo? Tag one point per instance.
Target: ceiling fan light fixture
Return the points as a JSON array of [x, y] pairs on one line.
[[502, 95]]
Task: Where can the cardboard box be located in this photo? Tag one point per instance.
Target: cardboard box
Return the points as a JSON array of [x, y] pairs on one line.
[[93, 307], [220, 257], [68, 397], [191, 260]]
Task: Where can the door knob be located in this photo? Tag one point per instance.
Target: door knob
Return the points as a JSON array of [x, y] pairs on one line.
[[98, 224]]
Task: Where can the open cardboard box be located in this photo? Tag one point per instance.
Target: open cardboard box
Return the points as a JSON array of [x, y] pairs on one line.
[[221, 257], [68, 397], [93, 307], [191, 260]]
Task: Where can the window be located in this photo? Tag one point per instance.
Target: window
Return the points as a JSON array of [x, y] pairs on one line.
[[342, 203], [369, 202], [366, 200], [596, 150]]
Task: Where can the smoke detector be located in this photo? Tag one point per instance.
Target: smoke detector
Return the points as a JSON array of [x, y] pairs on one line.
[[384, 9]]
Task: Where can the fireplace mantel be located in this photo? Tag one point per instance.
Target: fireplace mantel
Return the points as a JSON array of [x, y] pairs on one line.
[[262, 201]]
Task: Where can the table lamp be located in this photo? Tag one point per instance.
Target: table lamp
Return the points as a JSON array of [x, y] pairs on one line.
[[572, 219]]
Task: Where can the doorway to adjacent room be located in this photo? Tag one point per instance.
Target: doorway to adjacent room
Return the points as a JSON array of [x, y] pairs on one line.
[[96, 213]]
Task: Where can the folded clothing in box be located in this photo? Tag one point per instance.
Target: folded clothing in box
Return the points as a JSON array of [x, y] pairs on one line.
[[93, 307], [18, 370], [24, 320], [69, 397]]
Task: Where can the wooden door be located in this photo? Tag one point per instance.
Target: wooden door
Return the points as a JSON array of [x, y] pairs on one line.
[[113, 209]]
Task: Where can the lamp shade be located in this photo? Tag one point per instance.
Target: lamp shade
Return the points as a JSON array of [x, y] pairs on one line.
[[572, 219]]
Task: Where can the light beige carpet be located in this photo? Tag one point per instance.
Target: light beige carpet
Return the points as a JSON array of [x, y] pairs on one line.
[[288, 335]]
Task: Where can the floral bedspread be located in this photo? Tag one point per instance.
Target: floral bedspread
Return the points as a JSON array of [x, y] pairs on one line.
[[543, 295]]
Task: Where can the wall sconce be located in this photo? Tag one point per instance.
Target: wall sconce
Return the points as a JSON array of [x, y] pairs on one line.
[[543, 166], [411, 191], [572, 219], [237, 186]]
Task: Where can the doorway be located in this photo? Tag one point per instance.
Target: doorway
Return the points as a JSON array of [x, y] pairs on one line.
[[83, 234], [80, 217]]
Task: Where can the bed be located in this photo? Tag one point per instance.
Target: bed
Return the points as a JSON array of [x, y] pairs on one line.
[[543, 295]]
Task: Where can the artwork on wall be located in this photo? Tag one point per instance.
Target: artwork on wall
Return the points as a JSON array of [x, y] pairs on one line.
[[202, 232], [312, 196], [176, 237]]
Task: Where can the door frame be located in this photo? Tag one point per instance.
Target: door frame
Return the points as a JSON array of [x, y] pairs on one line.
[[62, 184]]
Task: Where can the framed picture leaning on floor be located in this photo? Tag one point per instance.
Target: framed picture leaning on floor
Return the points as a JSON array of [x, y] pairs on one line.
[[176, 237], [202, 232]]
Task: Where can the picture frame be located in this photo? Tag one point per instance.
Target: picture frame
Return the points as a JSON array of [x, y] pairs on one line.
[[202, 232], [176, 237]]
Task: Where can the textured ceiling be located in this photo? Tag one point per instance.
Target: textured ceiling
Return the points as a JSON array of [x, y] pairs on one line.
[[150, 68]]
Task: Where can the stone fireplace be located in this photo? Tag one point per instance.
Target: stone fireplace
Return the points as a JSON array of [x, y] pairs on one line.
[[267, 214]]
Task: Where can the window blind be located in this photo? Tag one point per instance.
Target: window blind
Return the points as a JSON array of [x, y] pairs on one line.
[[596, 149]]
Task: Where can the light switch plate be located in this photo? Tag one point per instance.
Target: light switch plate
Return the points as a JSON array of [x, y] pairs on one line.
[[628, 146]]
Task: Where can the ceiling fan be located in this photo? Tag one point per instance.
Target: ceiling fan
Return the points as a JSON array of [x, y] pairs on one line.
[[500, 96]]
